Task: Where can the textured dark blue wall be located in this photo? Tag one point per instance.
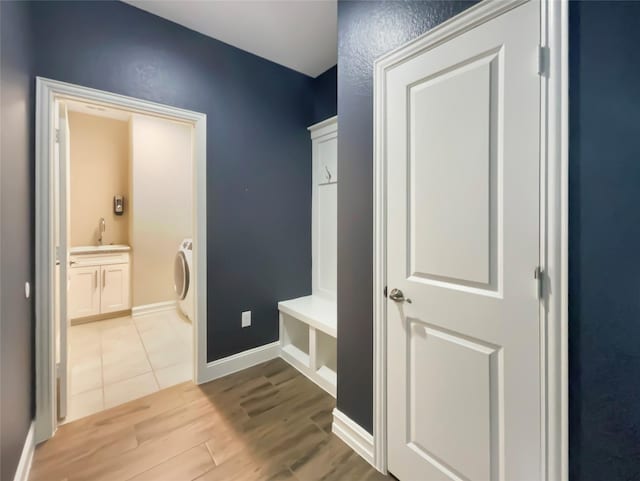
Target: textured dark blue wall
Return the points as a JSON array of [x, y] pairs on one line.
[[366, 30], [258, 148], [16, 235], [604, 230], [324, 95]]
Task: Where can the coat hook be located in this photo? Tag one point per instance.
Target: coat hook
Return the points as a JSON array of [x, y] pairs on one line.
[[328, 173]]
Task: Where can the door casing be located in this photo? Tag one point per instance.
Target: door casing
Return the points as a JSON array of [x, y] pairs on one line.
[[553, 63], [47, 91]]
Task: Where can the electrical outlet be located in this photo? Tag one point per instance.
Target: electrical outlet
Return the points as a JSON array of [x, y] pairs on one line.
[[246, 318]]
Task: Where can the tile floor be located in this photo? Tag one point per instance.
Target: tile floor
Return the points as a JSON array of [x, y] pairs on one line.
[[118, 360]]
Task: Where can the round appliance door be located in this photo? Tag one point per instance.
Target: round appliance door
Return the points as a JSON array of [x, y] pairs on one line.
[[181, 275]]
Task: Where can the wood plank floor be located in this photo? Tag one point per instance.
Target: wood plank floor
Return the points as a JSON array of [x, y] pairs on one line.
[[265, 423]]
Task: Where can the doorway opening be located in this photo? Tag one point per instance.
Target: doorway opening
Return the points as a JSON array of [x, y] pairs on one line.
[[120, 251]]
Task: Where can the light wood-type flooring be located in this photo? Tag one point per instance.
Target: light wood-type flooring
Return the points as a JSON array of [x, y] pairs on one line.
[[268, 422]]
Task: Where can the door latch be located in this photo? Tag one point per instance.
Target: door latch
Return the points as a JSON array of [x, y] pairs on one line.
[[538, 275]]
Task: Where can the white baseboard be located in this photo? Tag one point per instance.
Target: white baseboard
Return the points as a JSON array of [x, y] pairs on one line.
[[354, 435], [152, 308], [240, 361], [26, 458]]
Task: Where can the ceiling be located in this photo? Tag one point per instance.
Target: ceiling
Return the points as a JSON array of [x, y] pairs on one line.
[[299, 34], [97, 110]]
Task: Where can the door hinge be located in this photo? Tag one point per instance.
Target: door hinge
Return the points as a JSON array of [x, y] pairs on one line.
[[57, 136], [543, 61], [538, 275]]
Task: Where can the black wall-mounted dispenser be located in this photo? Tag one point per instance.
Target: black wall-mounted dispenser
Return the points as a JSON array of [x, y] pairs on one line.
[[118, 204]]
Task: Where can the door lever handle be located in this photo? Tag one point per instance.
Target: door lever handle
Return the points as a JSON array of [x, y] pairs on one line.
[[397, 295]]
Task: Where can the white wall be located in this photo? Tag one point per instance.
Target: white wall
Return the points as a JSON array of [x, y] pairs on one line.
[[162, 203], [99, 170]]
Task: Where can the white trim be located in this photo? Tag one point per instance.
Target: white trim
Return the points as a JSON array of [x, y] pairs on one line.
[[325, 127], [26, 458], [555, 238], [554, 223], [353, 435], [153, 308], [238, 362], [46, 92]]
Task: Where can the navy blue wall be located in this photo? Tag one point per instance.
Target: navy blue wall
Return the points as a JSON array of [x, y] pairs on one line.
[[324, 95], [604, 229], [604, 279], [258, 148], [366, 30], [16, 234]]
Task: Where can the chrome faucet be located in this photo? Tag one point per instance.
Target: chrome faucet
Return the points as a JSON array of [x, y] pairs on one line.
[[103, 227]]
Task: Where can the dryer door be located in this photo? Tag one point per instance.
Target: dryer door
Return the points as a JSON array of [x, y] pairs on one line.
[[181, 275]]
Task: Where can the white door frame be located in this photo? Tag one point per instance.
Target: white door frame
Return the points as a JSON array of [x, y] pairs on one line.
[[45, 364], [553, 221]]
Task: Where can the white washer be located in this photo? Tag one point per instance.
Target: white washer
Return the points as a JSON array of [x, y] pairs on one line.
[[183, 279]]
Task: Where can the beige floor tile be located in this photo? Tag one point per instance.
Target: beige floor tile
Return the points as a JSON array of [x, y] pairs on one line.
[[115, 349], [169, 354], [182, 328], [83, 351], [119, 334], [158, 336], [115, 322], [84, 342], [120, 366], [172, 375], [83, 404], [86, 374], [127, 358], [129, 389], [88, 332], [149, 322], [118, 341]]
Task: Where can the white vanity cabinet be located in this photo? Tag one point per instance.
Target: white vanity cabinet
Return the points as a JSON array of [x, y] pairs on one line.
[[99, 283], [115, 286], [84, 291]]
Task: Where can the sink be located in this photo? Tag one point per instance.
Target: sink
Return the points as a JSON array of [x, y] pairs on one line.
[[103, 248]]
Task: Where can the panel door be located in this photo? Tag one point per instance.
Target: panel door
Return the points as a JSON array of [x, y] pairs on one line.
[[84, 292], [62, 230], [462, 136], [115, 288]]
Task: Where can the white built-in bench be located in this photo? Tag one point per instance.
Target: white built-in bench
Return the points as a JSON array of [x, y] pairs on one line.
[[308, 325], [308, 338]]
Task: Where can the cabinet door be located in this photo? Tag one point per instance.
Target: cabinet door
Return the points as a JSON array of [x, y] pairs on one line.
[[84, 294], [115, 288]]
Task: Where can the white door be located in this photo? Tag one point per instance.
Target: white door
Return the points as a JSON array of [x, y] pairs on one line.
[[462, 137], [84, 291], [62, 235], [115, 288]]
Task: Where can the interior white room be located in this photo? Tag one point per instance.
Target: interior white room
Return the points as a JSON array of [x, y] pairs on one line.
[[129, 218]]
